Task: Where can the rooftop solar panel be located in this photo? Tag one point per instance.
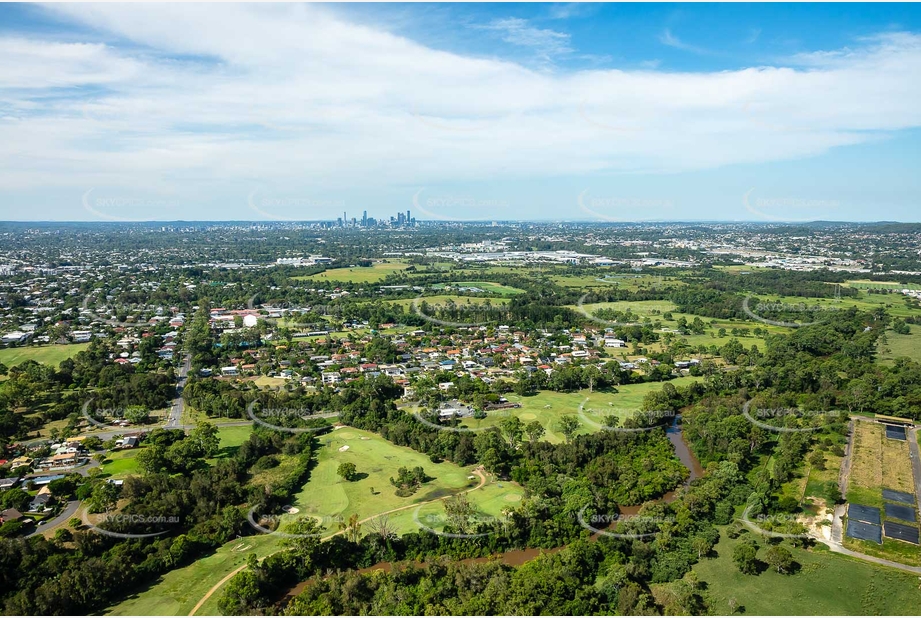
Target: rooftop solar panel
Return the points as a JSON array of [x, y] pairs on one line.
[[868, 514], [898, 496], [901, 532], [864, 532], [899, 511]]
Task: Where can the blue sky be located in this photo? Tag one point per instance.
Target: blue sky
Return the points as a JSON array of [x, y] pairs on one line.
[[485, 111]]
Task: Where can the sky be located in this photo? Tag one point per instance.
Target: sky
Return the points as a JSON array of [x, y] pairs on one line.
[[588, 112]]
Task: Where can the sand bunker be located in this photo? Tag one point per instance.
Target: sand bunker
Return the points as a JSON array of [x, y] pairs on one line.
[[290, 510], [344, 448]]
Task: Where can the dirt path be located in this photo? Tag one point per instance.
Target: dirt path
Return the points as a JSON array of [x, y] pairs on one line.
[[478, 471]]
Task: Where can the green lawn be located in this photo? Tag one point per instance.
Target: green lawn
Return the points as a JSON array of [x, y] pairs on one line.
[[327, 496], [442, 299], [358, 274], [120, 464], [489, 286], [547, 407], [177, 592], [46, 354], [826, 584], [232, 438], [897, 346]]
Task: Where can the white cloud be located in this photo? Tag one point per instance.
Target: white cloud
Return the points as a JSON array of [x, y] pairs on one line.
[[547, 43], [296, 97]]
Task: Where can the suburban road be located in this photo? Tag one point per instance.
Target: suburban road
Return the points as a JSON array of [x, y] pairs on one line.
[[175, 412]]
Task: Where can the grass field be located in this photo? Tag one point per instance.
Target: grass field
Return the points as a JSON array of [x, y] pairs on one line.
[[442, 299], [893, 303], [547, 407], [327, 496], [489, 286], [358, 274], [897, 346], [866, 474], [46, 354], [177, 592], [120, 464], [654, 311], [825, 584]]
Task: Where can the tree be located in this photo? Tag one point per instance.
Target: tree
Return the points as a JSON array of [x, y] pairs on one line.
[[137, 415], [458, 512], [347, 471], [103, 498], [512, 428], [351, 528], [569, 426], [206, 437], [701, 545], [535, 431], [745, 558], [780, 559]]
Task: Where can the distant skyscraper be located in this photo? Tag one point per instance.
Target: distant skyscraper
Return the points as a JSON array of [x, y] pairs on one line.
[[364, 219]]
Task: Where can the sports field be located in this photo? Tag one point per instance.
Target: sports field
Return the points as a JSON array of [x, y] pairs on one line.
[[488, 286], [358, 274], [45, 354], [442, 299], [825, 584]]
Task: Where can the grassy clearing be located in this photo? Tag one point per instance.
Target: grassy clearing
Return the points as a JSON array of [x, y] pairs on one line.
[[327, 496], [177, 592], [866, 475], [442, 299], [46, 354], [358, 274], [120, 464], [894, 345], [896, 465], [548, 407], [825, 584], [489, 286]]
